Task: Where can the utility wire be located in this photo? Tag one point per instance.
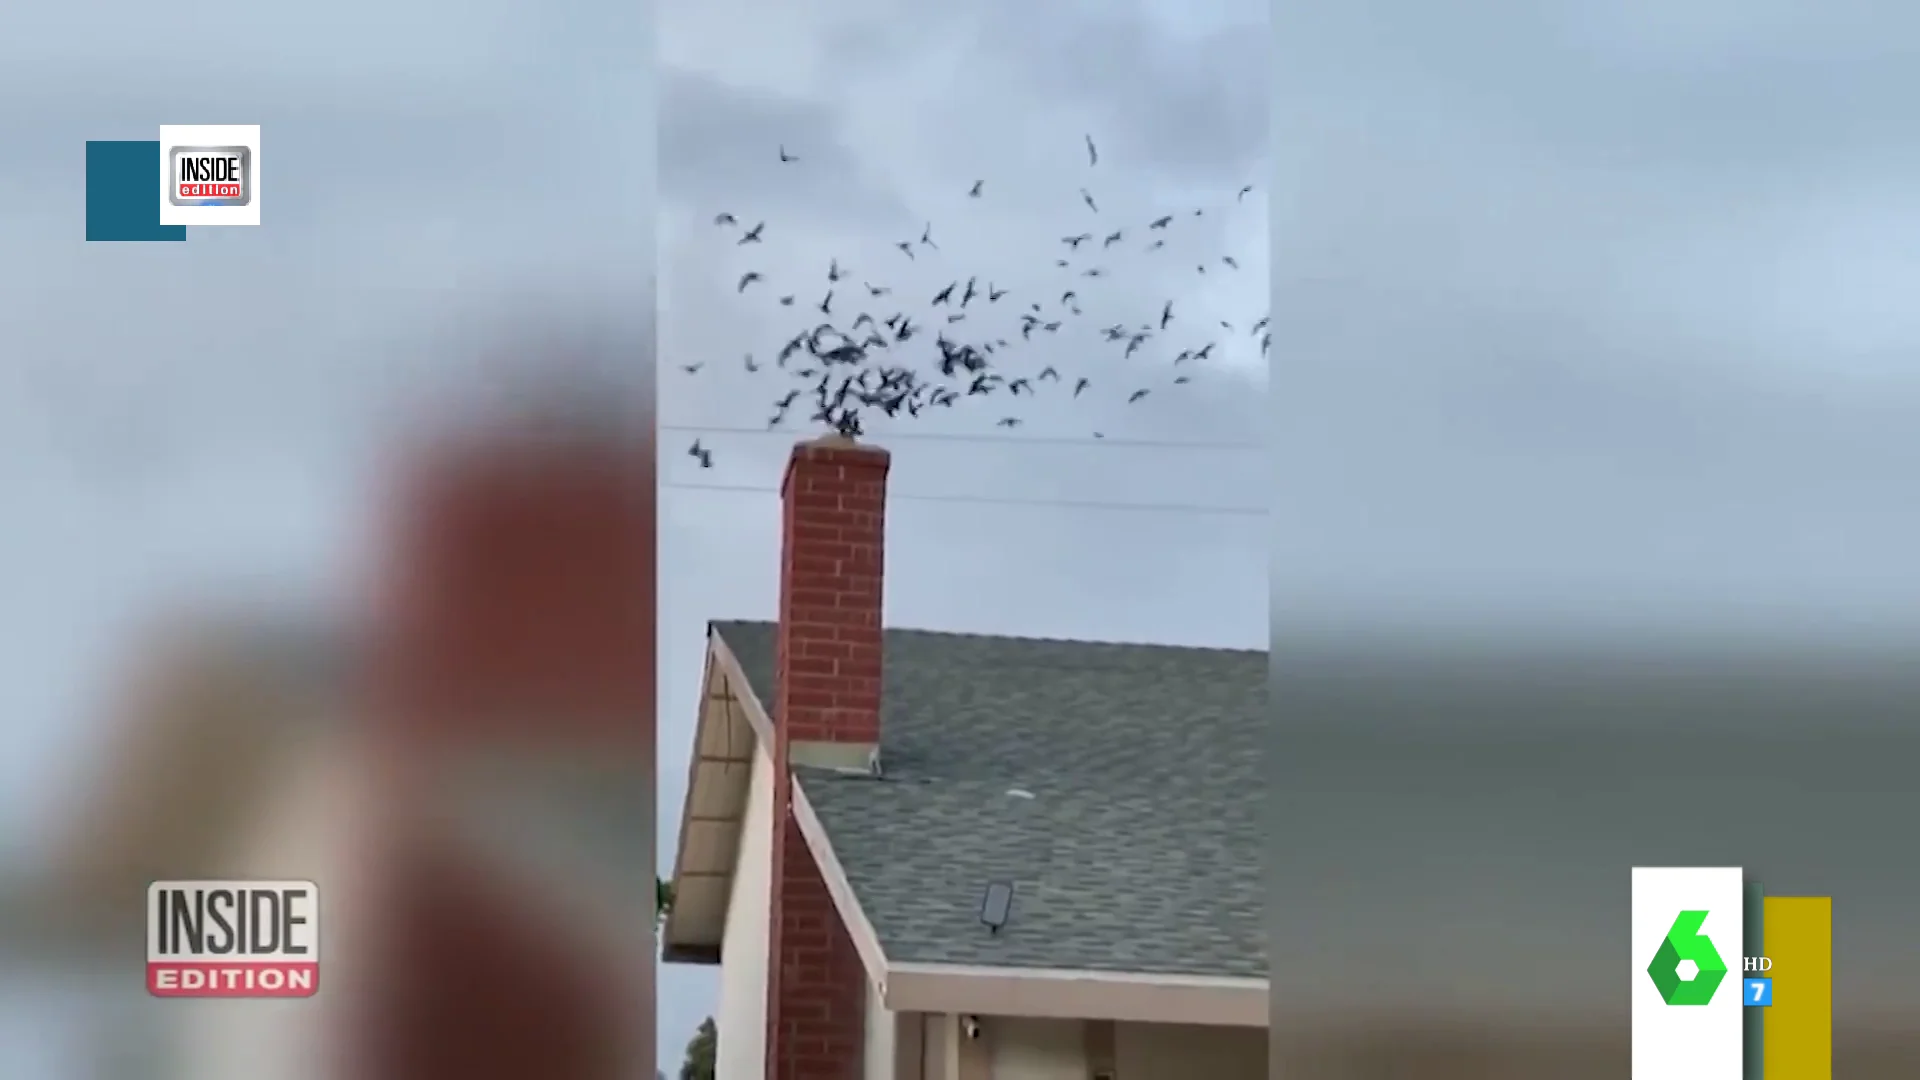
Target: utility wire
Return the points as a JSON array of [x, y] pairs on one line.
[[989, 500], [1012, 440]]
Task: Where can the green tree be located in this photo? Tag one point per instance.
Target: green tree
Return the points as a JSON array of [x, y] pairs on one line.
[[700, 1050]]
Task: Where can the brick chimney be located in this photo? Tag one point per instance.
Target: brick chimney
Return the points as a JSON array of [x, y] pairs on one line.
[[519, 593], [826, 714]]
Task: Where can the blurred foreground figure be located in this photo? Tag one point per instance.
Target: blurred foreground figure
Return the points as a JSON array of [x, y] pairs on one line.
[[464, 767]]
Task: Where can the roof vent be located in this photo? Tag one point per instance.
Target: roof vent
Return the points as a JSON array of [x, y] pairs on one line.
[[996, 906]]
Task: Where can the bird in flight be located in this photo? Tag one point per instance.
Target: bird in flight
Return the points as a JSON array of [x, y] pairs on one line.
[[834, 273], [1081, 386], [747, 279], [1161, 223], [1113, 238], [1087, 197], [1093, 152], [726, 219], [1136, 396], [1166, 315], [977, 185], [874, 290], [1261, 325], [701, 454], [993, 294], [693, 369], [1243, 193], [1009, 422], [1156, 245], [826, 305], [751, 366], [786, 301], [752, 236], [1074, 242], [926, 237], [784, 156], [1229, 260], [945, 294], [906, 248]]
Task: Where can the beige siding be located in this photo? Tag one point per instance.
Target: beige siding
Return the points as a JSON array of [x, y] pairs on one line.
[[1025, 1049], [743, 972], [1184, 1052], [304, 833]]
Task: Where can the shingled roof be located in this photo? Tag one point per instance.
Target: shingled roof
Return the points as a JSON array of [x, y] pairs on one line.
[[1117, 786]]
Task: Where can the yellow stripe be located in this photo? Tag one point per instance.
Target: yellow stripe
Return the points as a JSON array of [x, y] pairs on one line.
[[1799, 1026]]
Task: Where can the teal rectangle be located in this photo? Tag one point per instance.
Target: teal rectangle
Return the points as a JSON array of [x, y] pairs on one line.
[[123, 193]]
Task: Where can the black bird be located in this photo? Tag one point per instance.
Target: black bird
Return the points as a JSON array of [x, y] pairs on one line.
[[1266, 342], [1068, 296], [1183, 356], [1114, 238], [1156, 245], [1161, 223], [977, 185], [1166, 315], [1062, 263], [967, 296], [1074, 242], [1093, 272], [826, 305], [787, 402], [1087, 197], [701, 454], [751, 366], [1136, 396], [872, 291], [926, 237], [834, 273], [1228, 259], [784, 156], [1259, 326], [1009, 422], [1202, 354], [1202, 268], [956, 317], [726, 219], [752, 236], [906, 247], [945, 294], [1019, 386], [1134, 343], [747, 279], [693, 369], [1048, 373], [786, 301], [1182, 380], [993, 294], [1093, 152], [1098, 435], [1081, 386], [1227, 326], [1243, 193]]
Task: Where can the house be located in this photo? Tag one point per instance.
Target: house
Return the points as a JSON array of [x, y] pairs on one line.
[[856, 790]]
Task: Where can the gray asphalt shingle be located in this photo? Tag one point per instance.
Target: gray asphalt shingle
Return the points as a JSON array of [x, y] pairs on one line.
[[1139, 849]]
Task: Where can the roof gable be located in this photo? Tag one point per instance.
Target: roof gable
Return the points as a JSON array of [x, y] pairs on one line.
[[1115, 785]]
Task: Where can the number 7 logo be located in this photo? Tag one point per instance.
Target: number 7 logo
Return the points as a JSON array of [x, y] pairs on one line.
[[1759, 992]]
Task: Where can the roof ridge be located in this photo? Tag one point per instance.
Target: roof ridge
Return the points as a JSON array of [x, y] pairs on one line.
[[714, 624]]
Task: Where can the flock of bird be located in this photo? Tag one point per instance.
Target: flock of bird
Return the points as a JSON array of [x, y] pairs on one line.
[[856, 352]]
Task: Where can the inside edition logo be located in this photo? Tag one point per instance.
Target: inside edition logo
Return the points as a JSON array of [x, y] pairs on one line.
[[1687, 1016], [233, 939], [209, 174]]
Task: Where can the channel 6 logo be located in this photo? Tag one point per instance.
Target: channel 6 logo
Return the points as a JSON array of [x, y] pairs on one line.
[[1683, 945]]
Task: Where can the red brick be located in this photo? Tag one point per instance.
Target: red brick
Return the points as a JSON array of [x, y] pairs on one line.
[[829, 649]]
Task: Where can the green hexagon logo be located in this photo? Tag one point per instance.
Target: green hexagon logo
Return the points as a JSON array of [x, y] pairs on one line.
[[1685, 942]]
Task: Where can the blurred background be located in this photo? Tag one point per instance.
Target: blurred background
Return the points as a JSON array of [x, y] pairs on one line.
[[199, 442], [1595, 420]]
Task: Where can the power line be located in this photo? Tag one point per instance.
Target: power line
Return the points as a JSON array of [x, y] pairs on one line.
[[991, 500], [1037, 440]]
